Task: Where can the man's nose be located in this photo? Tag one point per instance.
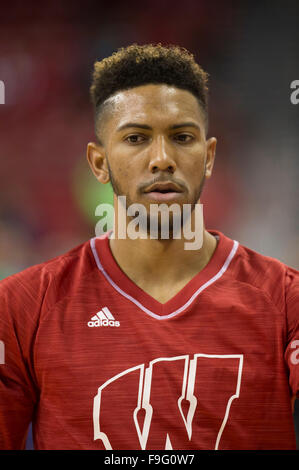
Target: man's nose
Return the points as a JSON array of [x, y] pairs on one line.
[[161, 156]]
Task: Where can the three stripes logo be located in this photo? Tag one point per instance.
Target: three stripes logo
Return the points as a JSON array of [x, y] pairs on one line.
[[103, 318]]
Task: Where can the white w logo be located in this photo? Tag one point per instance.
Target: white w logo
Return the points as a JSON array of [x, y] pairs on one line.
[[149, 418]]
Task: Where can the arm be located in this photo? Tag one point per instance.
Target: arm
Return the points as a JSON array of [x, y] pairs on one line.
[[18, 393], [292, 322]]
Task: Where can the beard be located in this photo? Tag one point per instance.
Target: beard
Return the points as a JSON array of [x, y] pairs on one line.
[[174, 222]]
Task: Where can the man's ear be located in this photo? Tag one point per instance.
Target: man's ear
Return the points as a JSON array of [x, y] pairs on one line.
[[97, 161], [211, 153]]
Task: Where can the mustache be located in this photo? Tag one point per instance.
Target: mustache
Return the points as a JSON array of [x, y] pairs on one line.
[[158, 179]]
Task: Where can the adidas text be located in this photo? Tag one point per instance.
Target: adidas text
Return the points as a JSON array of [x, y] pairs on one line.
[[103, 318], [103, 323]]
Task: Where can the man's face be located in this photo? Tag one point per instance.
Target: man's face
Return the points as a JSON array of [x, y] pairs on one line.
[[154, 134]]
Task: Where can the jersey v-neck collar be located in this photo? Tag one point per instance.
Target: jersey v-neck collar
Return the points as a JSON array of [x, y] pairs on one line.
[[216, 267]]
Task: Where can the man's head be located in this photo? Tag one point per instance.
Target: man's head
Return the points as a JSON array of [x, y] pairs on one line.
[[136, 65], [151, 123]]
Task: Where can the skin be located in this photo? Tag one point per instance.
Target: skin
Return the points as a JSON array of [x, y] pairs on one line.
[[133, 158]]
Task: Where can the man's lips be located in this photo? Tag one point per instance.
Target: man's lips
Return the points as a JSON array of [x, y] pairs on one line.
[[163, 187], [158, 196], [163, 191]]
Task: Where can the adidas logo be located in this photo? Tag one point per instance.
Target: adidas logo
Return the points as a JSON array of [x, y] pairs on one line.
[[103, 318]]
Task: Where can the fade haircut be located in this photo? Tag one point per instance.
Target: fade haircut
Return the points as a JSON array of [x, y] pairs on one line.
[[138, 65]]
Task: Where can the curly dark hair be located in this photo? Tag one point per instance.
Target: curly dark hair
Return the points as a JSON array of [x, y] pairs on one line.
[[137, 65]]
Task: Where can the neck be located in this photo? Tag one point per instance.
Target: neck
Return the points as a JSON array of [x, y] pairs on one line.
[[158, 259]]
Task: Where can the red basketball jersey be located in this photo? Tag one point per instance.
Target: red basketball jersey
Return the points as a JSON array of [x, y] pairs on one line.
[[96, 363]]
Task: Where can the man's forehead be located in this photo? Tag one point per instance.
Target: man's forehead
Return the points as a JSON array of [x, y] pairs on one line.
[[141, 101]]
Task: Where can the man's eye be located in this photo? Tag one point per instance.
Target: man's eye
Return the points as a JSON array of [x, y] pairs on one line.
[[184, 138], [134, 139]]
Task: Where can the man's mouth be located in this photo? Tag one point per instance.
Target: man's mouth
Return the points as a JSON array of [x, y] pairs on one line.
[[163, 191]]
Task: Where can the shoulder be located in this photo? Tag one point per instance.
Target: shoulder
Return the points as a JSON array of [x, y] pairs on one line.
[[40, 285], [255, 266], [274, 278]]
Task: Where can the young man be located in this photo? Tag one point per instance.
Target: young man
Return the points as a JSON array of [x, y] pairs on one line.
[[140, 343]]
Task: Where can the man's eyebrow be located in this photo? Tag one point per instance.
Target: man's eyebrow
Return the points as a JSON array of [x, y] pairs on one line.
[[134, 124], [185, 124], [145, 126]]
